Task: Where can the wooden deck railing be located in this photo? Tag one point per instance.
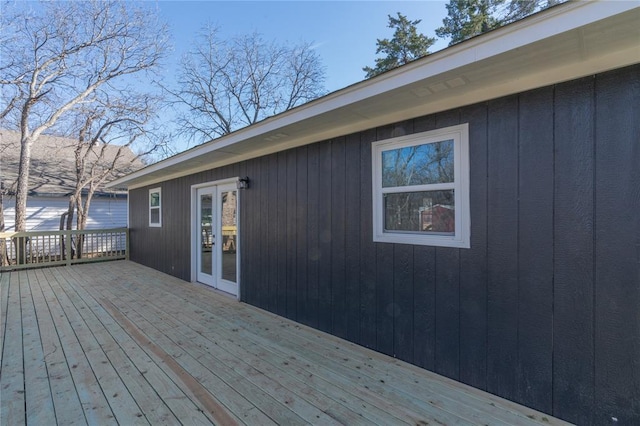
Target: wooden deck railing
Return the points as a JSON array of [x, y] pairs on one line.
[[49, 248]]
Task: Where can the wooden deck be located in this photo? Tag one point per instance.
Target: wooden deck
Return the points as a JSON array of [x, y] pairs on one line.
[[118, 343]]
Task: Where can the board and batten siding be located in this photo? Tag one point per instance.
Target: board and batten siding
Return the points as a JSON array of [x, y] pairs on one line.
[[543, 309]]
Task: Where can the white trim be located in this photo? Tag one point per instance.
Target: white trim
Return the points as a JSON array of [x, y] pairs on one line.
[[462, 237], [215, 182], [238, 244], [194, 232], [159, 207], [220, 282]]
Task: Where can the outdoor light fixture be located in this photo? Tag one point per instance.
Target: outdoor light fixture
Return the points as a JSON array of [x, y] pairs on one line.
[[243, 183]]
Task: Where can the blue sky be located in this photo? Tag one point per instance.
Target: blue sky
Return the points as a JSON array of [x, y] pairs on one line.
[[344, 32]]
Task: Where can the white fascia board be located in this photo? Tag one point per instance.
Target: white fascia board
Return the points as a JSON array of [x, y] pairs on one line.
[[542, 25], [530, 30]]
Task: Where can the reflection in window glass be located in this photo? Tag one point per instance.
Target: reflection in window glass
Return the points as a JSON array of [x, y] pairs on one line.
[[155, 199], [206, 234], [424, 212], [228, 216], [418, 165]]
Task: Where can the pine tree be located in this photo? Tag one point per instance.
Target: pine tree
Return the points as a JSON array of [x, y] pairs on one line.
[[518, 9], [405, 46], [468, 18]]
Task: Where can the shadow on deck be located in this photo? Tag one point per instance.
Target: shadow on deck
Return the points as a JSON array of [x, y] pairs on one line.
[[117, 342]]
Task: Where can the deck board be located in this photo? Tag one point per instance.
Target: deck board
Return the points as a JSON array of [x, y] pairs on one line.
[[12, 378], [228, 331], [66, 402], [258, 365], [74, 365], [362, 369], [120, 343], [124, 368], [162, 396], [39, 405], [195, 352], [4, 300], [278, 355], [122, 405]]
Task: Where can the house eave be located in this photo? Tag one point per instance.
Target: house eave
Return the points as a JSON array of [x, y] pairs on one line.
[[566, 42]]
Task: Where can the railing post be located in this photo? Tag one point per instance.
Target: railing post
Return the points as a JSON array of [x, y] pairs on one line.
[[67, 237], [21, 250], [126, 243], [3, 252]]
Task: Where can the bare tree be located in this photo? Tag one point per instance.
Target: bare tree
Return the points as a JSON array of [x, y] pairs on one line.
[[3, 243], [228, 84], [60, 54], [113, 135]]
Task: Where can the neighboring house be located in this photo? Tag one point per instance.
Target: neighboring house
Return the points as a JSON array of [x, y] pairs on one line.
[[529, 135], [52, 180]]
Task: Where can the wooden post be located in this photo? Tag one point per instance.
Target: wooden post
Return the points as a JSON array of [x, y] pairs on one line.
[[67, 237], [126, 243], [20, 243]]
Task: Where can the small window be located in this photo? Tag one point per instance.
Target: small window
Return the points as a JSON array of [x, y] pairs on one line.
[[421, 188], [155, 207]]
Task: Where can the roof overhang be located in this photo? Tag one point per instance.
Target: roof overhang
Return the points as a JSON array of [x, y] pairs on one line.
[[569, 41]]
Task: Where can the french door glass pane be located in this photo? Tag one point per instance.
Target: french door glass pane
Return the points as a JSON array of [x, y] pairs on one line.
[[228, 213], [206, 235]]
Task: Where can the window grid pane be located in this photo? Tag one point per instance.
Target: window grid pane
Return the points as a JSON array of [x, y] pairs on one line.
[[154, 199], [425, 212], [425, 164], [155, 215]]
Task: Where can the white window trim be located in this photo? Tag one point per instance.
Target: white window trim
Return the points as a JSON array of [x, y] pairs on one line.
[[462, 236], [159, 207]]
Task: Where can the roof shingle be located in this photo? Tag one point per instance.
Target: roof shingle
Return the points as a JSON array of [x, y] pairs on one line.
[[52, 171]]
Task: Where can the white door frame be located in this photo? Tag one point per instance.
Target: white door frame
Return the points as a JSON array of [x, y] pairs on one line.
[[195, 227]]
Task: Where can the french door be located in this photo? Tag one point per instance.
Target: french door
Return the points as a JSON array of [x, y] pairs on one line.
[[217, 236]]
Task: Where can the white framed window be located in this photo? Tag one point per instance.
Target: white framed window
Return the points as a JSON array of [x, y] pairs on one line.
[[421, 188], [155, 207]]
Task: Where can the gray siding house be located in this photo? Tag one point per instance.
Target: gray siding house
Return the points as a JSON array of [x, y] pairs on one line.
[[52, 181], [474, 213]]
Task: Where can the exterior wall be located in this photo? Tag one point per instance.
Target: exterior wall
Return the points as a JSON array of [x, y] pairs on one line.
[[168, 248], [543, 309], [43, 213]]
